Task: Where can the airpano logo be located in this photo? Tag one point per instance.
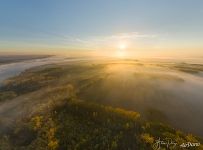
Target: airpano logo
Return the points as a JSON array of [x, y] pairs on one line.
[[189, 144]]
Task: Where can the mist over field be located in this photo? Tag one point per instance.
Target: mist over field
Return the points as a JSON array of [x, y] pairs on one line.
[[167, 92], [159, 91]]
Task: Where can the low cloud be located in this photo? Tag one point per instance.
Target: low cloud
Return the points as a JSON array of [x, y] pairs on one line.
[[96, 41], [47, 39]]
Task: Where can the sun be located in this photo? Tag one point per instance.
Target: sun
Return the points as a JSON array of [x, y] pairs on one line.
[[121, 51], [122, 46]]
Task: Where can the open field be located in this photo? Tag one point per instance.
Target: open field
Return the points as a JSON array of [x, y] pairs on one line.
[[103, 104]]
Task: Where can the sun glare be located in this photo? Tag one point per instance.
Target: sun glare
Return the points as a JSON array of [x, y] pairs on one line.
[[122, 46], [121, 51]]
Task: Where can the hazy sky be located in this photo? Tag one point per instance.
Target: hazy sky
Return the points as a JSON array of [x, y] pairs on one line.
[[142, 25]]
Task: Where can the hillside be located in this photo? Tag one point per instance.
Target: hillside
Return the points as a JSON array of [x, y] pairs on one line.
[[43, 108]]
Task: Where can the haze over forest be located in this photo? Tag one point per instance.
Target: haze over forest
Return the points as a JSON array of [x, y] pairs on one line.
[[97, 75]]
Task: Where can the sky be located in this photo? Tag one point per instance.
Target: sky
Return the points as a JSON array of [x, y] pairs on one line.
[[141, 26]]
